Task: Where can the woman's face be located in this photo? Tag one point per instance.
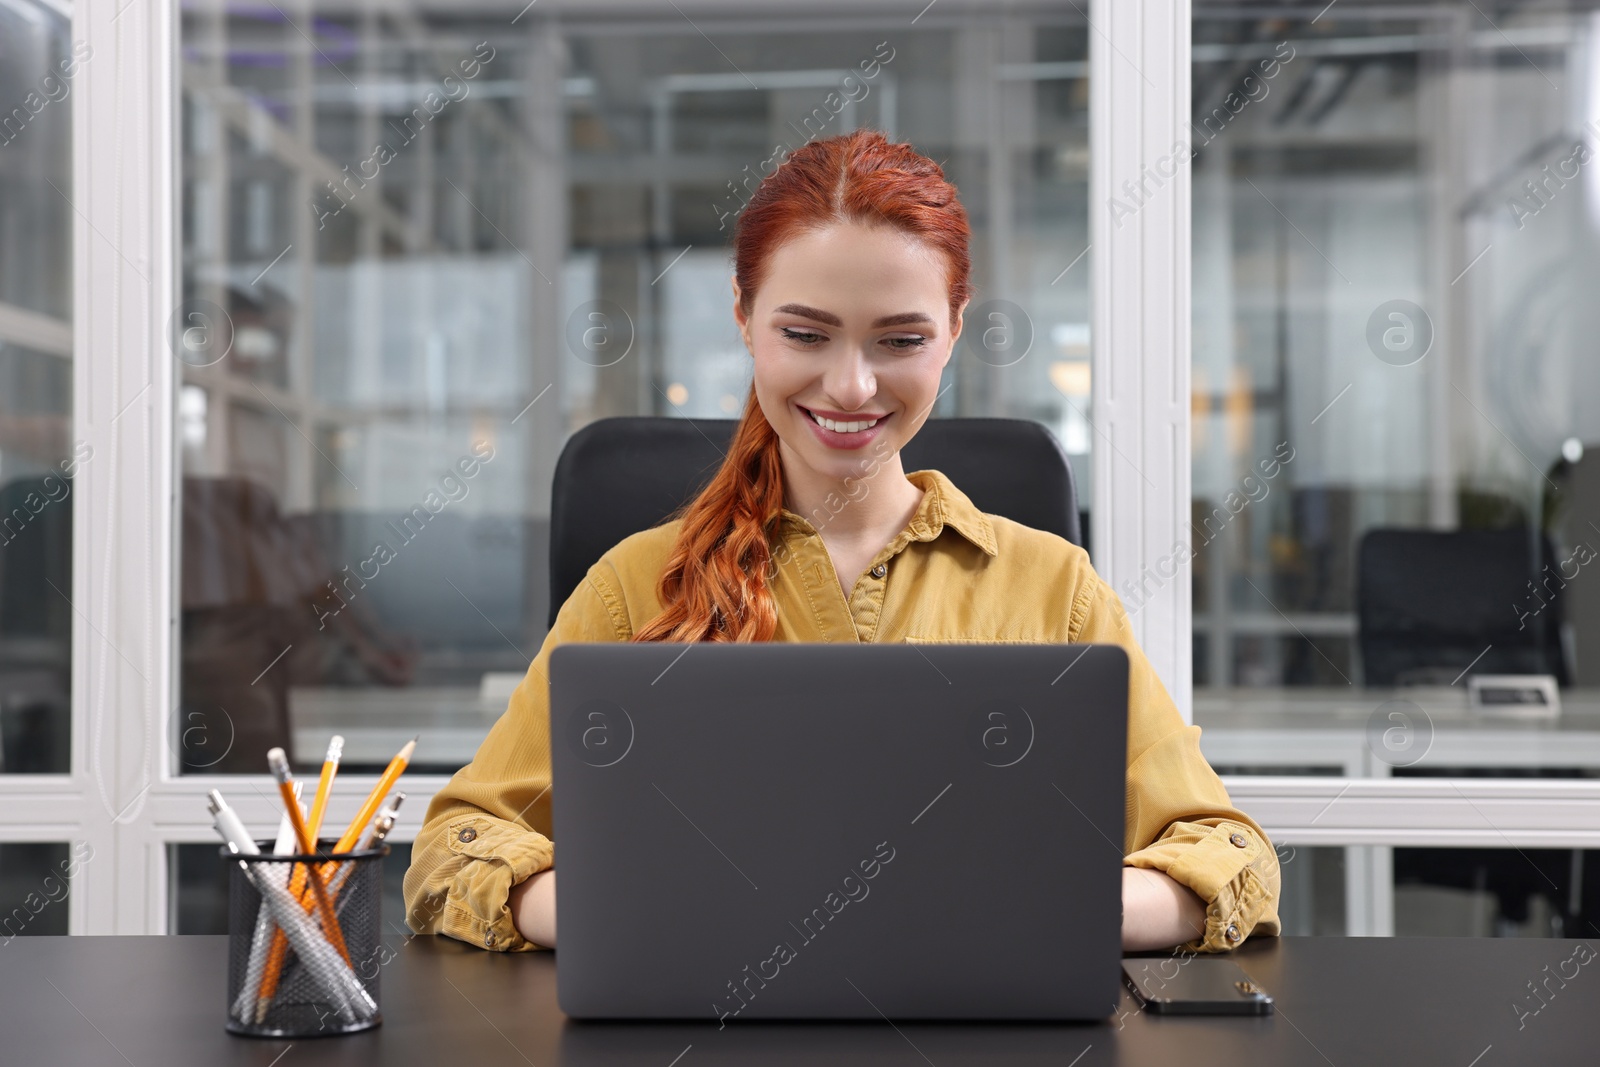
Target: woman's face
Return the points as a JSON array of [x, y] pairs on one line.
[[851, 324]]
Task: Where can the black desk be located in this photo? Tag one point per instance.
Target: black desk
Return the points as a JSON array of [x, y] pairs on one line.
[[159, 1002]]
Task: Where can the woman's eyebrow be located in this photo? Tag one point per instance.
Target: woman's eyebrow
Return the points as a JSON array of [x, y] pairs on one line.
[[904, 318]]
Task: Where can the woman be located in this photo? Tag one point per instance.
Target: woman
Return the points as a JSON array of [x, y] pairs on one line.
[[850, 279]]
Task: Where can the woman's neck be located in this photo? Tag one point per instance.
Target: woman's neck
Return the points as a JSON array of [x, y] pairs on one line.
[[870, 509]]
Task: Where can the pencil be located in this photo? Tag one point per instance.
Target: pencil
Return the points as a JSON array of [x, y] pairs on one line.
[[369, 807], [279, 762], [330, 767], [372, 837]]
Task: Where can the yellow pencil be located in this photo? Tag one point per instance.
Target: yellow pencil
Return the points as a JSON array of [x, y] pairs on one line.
[[369, 807], [330, 767]]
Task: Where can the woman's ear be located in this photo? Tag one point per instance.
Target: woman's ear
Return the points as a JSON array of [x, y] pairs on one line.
[[955, 334], [739, 315]]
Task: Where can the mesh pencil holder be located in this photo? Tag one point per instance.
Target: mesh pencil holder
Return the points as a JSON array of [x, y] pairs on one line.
[[291, 974]]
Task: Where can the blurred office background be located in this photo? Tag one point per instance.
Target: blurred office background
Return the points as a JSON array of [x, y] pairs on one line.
[[1395, 246], [415, 235], [548, 248]]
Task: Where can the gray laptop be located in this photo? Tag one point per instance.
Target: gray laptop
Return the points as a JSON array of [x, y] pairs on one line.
[[838, 831]]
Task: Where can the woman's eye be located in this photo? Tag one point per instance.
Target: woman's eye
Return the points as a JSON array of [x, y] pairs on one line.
[[805, 337]]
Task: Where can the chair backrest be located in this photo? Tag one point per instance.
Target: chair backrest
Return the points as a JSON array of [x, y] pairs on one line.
[[1430, 603], [618, 476]]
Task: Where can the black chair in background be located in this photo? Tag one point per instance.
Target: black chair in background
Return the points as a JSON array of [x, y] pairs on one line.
[[1430, 602], [620, 475]]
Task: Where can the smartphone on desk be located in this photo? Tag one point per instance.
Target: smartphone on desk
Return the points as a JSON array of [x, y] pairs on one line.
[[1193, 985]]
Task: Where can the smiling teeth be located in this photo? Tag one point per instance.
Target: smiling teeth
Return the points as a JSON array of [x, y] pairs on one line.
[[843, 427]]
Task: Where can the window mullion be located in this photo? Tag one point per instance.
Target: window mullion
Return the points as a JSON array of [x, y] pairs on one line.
[[124, 125], [1140, 333]]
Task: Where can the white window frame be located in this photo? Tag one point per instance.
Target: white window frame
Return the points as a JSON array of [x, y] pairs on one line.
[[122, 797]]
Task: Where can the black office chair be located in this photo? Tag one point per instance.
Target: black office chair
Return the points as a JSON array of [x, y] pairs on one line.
[[618, 476], [1430, 602]]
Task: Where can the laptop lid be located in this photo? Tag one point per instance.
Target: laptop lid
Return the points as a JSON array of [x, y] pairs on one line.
[[829, 830]]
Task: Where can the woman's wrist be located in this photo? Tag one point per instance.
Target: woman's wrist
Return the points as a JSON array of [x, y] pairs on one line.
[[1158, 912], [533, 907]]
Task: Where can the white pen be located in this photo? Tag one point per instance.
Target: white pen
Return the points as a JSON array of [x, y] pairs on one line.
[[261, 941], [226, 822], [232, 831], [303, 942], [344, 989]]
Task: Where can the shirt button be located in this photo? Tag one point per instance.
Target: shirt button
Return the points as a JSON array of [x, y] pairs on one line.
[[1232, 933], [488, 939], [880, 570], [469, 834], [1237, 839]]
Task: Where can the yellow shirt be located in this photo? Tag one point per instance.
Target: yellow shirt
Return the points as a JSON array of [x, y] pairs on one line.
[[953, 574]]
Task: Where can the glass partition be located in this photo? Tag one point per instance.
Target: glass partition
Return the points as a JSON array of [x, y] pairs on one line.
[[1396, 433], [400, 226], [35, 881], [38, 456]]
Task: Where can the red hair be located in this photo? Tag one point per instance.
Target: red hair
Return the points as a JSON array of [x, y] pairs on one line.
[[714, 587]]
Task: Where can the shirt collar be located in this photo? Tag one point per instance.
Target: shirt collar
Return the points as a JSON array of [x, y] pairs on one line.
[[942, 505]]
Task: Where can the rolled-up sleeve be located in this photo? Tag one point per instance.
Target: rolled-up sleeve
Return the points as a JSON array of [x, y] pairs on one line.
[[489, 828], [1180, 820]]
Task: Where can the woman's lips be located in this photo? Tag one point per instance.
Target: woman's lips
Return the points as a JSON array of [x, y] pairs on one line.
[[835, 439]]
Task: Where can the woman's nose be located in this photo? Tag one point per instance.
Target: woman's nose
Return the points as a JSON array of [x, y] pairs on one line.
[[850, 380]]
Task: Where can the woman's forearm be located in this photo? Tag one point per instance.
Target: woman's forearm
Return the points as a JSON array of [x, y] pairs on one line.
[[533, 908], [1158, 912]]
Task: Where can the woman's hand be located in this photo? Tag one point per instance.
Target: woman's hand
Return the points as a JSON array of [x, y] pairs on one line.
[[533, 908], [1158, 912]]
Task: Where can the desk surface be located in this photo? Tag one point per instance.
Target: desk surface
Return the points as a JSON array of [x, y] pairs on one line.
[[1348, 1002]]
